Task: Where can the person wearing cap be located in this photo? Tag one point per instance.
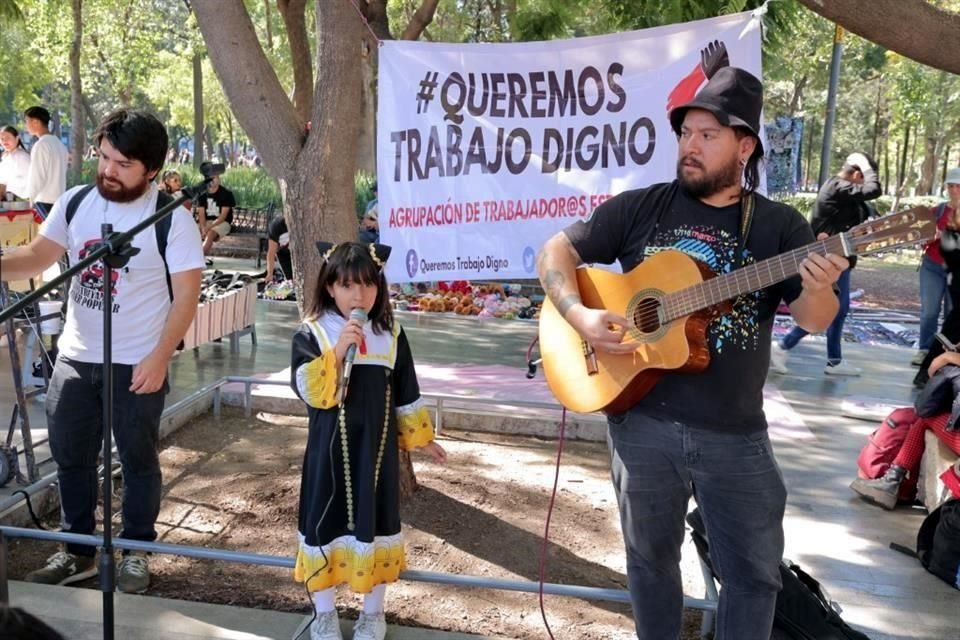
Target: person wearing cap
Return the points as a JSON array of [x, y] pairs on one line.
[[215, 213], [841, 204], [948, 243], [700, 434], [934, 294], [47, 178]]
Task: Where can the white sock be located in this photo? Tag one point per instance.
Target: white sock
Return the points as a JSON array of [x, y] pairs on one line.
[[373, 601], [325, 601]]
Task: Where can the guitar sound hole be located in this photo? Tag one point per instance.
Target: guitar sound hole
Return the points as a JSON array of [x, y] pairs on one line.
[[645, 315]]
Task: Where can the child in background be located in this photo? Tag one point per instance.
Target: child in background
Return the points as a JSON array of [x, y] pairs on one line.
[[349, 523]]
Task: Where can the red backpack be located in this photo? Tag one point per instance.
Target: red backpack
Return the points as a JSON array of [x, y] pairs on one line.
[[882, 447]]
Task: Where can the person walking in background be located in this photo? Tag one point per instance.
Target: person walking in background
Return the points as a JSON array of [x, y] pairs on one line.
[[841, 205], [934, 292], [349, 521], [47, 179], [151, 314], [15, 166]]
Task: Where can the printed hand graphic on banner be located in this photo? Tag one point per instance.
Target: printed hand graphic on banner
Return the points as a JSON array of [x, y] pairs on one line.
[[713, 58]]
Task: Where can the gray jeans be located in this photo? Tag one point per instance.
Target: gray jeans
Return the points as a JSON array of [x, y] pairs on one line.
[[656, 466]]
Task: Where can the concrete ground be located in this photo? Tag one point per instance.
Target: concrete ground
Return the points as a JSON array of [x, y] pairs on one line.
[[840, 540]]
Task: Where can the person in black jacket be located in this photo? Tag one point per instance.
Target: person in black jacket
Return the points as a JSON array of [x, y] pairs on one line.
[[841, 205]]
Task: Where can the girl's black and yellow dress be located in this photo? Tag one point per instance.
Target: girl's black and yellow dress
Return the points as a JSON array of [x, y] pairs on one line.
[[353, 455]]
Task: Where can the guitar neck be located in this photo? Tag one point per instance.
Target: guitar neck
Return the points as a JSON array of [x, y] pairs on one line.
[[746, 280]]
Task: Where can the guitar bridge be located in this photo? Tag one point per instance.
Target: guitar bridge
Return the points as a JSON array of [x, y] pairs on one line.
[[590, 358]]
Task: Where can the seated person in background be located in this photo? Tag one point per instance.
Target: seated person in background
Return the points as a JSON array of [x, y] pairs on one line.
[[278, 249], [215, 213], [883, 491], [15, 166], [369, 227], [172, 184]]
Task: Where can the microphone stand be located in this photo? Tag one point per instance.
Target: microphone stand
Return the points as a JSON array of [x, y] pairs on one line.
[[115, 251]]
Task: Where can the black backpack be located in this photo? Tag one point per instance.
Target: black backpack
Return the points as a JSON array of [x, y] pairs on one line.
[[804, 610], [938, 543]]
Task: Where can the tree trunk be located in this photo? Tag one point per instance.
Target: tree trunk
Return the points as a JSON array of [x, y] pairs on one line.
[[876, 118], [367, 139], [77, 130], [408, 478], [197, 110], [884, 21], [928, 169], [797, 98], [293, 13]]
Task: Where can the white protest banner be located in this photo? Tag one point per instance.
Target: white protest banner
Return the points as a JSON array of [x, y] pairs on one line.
[[486, 150]]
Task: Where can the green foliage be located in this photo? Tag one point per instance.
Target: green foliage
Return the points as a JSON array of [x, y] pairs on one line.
[[363, 189], [254, 188], [804, 202]]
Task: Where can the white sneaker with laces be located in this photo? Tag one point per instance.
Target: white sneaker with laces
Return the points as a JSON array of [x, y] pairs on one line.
[[326, 626], [370, 627], [778, 359], [842, 369]]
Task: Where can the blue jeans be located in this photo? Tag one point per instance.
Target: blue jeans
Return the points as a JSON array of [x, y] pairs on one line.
[[75, 425], [933, 297], [656, 466], [834, 331]]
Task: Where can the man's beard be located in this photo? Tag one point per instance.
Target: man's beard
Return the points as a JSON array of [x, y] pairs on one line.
[[116, 192], [709, 183]]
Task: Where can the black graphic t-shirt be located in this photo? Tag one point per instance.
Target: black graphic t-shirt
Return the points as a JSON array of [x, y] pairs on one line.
[[728, 395], [213, 202]]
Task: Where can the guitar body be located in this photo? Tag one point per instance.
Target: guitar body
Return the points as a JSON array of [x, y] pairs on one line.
[[620, 381]]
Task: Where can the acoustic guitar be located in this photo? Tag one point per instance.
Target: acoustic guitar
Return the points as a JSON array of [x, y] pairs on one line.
[[668, 300]]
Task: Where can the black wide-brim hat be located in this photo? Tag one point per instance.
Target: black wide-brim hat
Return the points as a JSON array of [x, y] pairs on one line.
[[734, 97]]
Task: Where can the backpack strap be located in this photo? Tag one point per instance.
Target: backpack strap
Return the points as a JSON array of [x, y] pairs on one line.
[[161, 228], [74, 203]]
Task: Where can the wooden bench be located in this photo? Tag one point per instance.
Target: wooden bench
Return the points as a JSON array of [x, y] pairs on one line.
[[248, 233], [937, 457]]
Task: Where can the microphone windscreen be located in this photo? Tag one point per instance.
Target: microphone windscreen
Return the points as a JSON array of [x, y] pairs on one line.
[[359, 315]]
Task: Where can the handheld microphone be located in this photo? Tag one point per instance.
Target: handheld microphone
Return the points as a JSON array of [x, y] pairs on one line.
[[360, 316]]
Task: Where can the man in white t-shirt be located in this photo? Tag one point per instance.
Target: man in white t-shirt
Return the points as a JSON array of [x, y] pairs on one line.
[[149, 320], [47, 179]]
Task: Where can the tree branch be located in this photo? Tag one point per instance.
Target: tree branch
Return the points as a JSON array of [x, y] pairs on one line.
[[882, 22], [250, 83], [420, 20], [293, 13]]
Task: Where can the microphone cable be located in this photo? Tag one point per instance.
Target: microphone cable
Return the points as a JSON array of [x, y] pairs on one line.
[[546, 529]]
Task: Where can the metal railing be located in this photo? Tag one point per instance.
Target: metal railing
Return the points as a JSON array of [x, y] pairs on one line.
[[708, 604]]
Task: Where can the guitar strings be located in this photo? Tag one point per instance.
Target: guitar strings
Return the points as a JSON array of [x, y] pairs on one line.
[[647, 310]]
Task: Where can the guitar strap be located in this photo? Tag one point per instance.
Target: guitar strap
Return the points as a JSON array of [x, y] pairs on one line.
[[747, 204]]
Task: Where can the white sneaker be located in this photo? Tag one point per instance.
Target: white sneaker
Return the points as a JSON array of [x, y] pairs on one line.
[[918, 359], [370, 627], [842, 369], [778, 358], [326, 627]]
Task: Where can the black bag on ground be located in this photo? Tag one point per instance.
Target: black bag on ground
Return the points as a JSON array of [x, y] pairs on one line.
[[938, 543], [804, 610]]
